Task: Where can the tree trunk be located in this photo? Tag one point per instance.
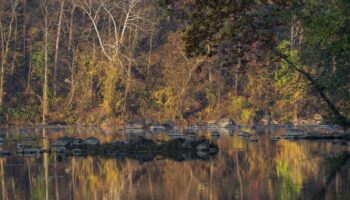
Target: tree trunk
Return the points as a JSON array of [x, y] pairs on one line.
[[5, 49], [71, 23], [58, 36], [72, 82], [25, 33], [46, 44], [127, 88], [2, 82]]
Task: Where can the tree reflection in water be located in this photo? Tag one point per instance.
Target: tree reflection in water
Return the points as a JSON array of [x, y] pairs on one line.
[[241, 170]]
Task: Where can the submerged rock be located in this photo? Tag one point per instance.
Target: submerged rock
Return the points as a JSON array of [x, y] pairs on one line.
[[91, 141], [27, 149], [79, 152], [59, 149], [275, 138], [203, 154], [294, 134], [140, 148], [64, 141], [215, 135], [157, 127], [5, 153], [169, 125], [244, 134], [288, 124], [204, 146]]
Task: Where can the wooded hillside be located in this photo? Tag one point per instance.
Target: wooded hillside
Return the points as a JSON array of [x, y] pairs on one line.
[[187, 61]]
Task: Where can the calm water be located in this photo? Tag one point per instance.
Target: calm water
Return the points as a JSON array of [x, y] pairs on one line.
[[241, 170]]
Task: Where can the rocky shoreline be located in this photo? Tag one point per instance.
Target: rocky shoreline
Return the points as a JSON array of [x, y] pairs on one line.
[[141, 149]]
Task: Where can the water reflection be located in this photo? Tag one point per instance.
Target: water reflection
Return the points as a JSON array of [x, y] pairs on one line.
[[242, 170]]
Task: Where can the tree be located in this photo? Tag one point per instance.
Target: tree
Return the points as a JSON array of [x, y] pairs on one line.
[[44, 4], [7, 21], [58, 37], [252, 30], [118, 49]]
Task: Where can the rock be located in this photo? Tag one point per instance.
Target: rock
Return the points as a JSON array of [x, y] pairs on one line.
[[142, 143], [27, 149], [157, 127], [4, 153], [169, 126], [57, 123], [288, 124], [213, 150], [318, 117], [149, 123], [144, 149], [79, 152], [215, 135], [141, 124], [244, 134], [295, 132], [275, 138], [64, 141], [188, 143], [134, 131], [204, 146], [59, 149], [211, 123], [203, 154], [91, 141], [274, 122], [136, 124], [225, 123]]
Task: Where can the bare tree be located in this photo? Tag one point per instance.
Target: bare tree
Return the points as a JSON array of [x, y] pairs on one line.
[[58, 37], [45, 105], [6, 34], [126, 22]]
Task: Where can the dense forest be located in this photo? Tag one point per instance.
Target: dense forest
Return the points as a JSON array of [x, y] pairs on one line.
[[186, 61]]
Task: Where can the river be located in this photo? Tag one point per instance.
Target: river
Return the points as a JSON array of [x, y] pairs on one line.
[[242, 169]]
